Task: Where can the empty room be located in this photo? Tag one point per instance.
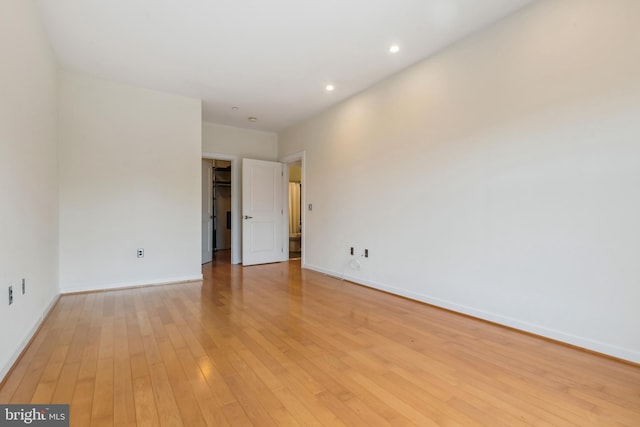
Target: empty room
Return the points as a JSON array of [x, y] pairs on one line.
[[321, 213]]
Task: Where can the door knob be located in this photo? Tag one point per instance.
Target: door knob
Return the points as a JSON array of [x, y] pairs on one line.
[[247, 217]]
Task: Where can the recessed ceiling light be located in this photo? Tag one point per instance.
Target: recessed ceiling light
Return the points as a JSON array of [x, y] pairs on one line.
[[329, 88], [252, 119], [394, 48], [234, 108]]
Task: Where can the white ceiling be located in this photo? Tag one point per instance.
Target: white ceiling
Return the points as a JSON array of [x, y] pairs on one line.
[[271, 59]]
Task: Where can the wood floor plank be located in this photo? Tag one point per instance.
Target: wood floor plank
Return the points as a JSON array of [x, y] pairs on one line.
[[103, 394], [214, 377], [168, 412], [31, 376], [124, 412], [65, 387], [263, 383], [182, 390], [80, 407], [277, 345], [50, 375], [146, 411], [211, 406]]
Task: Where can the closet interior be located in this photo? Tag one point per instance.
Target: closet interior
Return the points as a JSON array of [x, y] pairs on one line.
[[221, 205]]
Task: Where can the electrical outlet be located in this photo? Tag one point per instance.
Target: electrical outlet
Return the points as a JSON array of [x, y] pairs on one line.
[[140, 253], [351, 251], [10, 295], [24, 287], [366, 253]]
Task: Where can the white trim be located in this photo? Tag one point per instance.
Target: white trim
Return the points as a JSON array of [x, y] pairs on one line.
[[27, 339], [585, 343], [135, 283], [288, 159], [236, 211]]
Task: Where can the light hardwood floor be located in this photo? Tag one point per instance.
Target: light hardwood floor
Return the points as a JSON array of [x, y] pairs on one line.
[[275, 345]]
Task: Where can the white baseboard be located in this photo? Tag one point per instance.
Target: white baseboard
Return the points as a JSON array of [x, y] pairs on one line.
[[578, 341], [132, 284], [27, 339]]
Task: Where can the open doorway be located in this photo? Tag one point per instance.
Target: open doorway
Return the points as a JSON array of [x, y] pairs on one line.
[[221, 185], [296, 214], [295, 210], [216, 209]]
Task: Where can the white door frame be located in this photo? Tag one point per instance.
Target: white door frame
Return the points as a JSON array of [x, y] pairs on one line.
[[287, 160], [236, 224]]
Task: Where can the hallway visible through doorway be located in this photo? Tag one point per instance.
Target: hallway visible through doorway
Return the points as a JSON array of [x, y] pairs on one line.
[[295, 210]]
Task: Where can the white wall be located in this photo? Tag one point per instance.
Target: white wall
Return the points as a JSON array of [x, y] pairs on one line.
[[239, 142], [499, 178], [28, 177], [129, 178]]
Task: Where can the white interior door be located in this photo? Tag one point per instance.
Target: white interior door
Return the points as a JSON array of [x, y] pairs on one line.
[[207, 211], [262, 212]]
